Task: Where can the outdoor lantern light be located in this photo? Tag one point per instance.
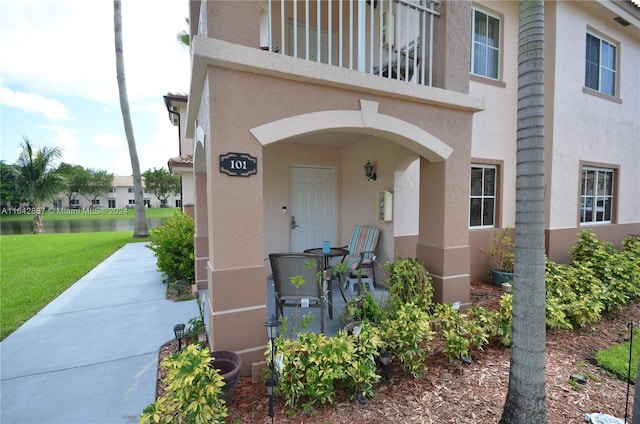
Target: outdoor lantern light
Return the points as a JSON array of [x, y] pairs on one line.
[[179, 286], [273, 328], [368, 171], [178, 331]]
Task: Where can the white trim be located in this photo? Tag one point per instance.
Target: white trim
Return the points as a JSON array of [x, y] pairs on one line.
[[367, 120]]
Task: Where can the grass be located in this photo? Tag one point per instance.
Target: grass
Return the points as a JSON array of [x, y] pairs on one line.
[[616, 358], [35, 269], [80, 214]]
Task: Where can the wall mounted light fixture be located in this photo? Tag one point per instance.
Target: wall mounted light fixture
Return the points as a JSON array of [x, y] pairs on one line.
[[369, 172]]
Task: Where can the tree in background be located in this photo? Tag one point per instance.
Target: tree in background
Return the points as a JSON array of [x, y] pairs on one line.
[[99, 183], [77, 178], [161, 183], [526, 399], [12, 194], [37, 173], [140, 225]]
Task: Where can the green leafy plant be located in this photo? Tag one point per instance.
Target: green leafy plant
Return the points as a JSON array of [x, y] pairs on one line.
[[407, 335], [364, 307], [501, 252], [462, 332], [408, 282], [173, 245], [193, 393], [313, 366]]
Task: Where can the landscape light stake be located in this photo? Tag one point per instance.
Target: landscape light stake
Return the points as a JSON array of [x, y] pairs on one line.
[[626, 404], [178, 331], [273, 332]]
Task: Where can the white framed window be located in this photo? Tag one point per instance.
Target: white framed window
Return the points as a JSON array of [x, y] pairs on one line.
[[112, 190], [132, 202], [130, 190], [112, 203], [95, 202], [485, 46], [482, 196], [596, 195], [600, 65]]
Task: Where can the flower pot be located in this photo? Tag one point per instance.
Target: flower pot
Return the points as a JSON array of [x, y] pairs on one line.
[[501, 277], [229, 365]]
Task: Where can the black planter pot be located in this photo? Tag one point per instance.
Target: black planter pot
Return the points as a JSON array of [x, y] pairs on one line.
[[229, 365]]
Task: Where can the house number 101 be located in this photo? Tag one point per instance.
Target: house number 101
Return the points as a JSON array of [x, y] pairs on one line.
[[238, 164]]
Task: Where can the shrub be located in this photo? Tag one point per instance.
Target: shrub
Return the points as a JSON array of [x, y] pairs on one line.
[[462, 332], [407, 335], [408, 282], [312, 366], [193, 393], [173, 245]]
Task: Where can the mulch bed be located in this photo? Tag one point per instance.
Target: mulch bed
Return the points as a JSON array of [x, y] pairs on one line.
[[457, 393]]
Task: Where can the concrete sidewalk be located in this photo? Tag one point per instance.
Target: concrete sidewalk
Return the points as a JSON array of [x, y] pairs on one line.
[[91, 355]]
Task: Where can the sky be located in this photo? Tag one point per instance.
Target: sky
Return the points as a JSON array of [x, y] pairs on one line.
[[58, 83]]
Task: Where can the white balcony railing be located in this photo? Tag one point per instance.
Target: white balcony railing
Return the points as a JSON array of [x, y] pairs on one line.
[[389, 38]]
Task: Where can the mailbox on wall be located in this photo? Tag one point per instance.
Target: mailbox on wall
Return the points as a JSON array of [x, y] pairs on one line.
[[385, 206]]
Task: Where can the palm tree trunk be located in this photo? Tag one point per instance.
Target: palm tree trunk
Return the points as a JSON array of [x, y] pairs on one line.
[[140, 226], [526, 401]]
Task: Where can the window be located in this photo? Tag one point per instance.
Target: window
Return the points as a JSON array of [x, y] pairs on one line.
[[112, 203], [130, 190], [112, 190], [74, 203], [482, 202], [132, 202], [600, 70], [596, 197], [95, 202], [485, 49]]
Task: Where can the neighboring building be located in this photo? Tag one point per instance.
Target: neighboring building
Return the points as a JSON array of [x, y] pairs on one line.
[[182, 165], [121, 195], [289, 100]]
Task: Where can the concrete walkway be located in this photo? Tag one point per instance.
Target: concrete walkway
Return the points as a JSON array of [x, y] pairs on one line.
[[91, 355]]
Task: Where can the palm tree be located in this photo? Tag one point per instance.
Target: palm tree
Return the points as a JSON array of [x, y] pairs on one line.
[[140, 225], [526, 401], [36, 173]]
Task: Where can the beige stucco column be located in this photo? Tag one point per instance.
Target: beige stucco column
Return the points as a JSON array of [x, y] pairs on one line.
[[443, 241], [236, 272]]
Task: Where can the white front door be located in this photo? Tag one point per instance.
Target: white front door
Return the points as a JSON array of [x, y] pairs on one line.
[[312, 207]]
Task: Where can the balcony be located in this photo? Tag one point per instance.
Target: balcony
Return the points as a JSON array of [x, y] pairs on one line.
[[389, 38]]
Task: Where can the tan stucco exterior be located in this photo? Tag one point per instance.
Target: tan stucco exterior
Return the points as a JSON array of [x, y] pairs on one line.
[[289, 112]]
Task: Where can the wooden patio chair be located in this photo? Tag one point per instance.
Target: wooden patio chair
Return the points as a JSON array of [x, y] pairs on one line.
[[305, 265]]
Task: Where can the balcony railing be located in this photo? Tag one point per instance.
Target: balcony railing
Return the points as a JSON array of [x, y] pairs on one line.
[[388, 38]]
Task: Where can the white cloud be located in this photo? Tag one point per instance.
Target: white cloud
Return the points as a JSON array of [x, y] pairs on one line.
[[67, 140], [66, 47], [109, 141], [51, 109]]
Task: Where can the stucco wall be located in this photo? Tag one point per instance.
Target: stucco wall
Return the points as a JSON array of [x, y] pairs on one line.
[[591, 128]]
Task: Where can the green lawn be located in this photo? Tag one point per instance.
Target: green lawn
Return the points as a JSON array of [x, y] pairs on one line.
[[35, 269], [616, 358], [80, 214]]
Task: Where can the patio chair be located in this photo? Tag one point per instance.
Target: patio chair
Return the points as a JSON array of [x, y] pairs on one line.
[[307, 266], [361, 250]]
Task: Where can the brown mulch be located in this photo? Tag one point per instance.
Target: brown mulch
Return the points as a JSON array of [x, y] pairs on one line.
[[456, 393]]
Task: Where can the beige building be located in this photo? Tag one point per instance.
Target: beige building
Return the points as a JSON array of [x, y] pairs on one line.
[[121, 195], [289, 100]]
